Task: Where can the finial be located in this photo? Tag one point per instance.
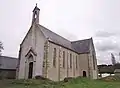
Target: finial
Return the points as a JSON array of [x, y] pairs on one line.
[[36, 4]]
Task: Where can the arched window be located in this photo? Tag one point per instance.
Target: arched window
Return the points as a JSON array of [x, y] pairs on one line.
[[54, 57], [70, 60], [76, 62], [94, 62], [63, 59]]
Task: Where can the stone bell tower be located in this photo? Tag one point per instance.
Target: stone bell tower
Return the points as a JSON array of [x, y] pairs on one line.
[[35, 17]]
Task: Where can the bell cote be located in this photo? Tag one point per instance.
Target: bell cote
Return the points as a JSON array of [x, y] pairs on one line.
[[35, 17]]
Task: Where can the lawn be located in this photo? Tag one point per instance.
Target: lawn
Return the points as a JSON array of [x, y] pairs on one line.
[[74, 83]]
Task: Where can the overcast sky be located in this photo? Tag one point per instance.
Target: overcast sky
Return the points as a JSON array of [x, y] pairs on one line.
[[72, 19]]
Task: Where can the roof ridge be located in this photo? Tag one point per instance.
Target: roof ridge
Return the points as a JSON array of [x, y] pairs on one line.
[[81, 40]]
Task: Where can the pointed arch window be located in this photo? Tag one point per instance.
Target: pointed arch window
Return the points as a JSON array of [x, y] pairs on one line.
[[63, 59], [70, 60], [54, 57], [94, 62], [76, 62]]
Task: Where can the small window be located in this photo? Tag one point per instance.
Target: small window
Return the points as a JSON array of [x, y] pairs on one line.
[[76, 62], [63, 59], [70, 60], [54, 57]]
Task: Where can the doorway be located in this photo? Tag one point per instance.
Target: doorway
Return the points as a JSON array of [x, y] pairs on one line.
[[30, 70], [84, 73]]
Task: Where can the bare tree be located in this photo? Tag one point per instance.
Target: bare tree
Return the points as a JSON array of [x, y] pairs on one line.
[[113, 59], [1, 47]]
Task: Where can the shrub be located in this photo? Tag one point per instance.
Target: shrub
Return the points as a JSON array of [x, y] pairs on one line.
[[40, 77], [67, 79]]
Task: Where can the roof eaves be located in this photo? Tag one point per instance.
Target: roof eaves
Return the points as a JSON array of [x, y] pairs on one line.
[[9, 57], [25, 36]]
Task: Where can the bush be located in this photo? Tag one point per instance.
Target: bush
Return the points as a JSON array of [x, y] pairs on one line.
[[40, 77], [67, 79]]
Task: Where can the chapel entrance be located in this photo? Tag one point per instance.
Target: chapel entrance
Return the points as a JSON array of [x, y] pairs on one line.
[[84, 73], [30, 73]]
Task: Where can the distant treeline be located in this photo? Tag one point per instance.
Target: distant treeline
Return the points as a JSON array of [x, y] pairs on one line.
[[108, 68]]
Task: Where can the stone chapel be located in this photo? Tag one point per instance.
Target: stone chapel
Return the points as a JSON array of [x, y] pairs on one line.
[[47, 54]]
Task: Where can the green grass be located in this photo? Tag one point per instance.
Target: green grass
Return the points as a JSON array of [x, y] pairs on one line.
[[74, 83]]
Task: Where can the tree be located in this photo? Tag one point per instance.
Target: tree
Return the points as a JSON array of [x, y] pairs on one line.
[[113, 59], [1, 47]]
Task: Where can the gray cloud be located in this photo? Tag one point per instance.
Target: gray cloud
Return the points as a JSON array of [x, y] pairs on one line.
[[104, 57], [107, 45], [105, 34]]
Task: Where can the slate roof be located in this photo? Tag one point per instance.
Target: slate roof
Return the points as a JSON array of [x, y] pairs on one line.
[[81, 46], [8, 62]]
